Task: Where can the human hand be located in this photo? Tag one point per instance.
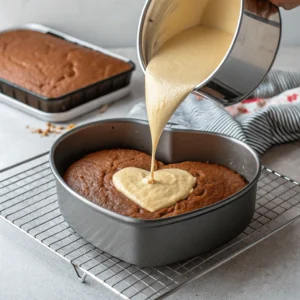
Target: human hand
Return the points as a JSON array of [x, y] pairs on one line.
[[266, 8], [262, 8], [286, 4]]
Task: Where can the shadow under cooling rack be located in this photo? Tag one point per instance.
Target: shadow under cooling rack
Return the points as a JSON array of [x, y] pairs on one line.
[[28, 200]]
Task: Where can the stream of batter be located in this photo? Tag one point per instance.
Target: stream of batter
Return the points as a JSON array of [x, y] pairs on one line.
[[183, 62]]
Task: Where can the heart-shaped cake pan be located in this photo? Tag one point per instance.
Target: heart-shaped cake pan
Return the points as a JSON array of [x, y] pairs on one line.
[[161, 241]]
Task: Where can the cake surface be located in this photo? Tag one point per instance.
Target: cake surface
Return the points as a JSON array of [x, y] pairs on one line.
[[91, 177], [50, 66]]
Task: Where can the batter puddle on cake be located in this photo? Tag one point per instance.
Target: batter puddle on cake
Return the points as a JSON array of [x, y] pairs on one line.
[[171, 185], [185, 60]]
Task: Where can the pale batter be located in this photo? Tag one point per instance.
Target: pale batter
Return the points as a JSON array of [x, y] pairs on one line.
[[183, 61], [171, 186]]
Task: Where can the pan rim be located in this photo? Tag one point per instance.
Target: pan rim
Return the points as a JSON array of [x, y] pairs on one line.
[[161, 221]]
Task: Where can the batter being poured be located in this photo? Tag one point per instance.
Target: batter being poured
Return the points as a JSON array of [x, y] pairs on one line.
[[182, 62]]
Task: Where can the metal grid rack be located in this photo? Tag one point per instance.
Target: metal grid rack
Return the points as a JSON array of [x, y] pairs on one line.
[[28, 201]]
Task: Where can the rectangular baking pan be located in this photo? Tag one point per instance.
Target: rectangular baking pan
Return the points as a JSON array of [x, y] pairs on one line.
[[161, 241], [71, 100], [69, 114]]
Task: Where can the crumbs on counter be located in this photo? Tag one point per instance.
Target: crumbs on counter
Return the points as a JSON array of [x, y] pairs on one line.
[[50, 129], [70, 126]]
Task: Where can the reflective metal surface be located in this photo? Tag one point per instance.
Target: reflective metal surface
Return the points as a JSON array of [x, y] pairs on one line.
[[136, 241], [248, 61]]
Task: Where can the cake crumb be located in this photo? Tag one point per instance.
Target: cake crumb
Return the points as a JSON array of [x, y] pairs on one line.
[[70, 126], [39, 131], [50, 129]]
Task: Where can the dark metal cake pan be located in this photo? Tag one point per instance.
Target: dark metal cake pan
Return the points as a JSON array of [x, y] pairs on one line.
[[161, 241]]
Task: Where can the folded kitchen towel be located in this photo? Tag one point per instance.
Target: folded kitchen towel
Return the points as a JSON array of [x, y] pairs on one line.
[[261, 123]]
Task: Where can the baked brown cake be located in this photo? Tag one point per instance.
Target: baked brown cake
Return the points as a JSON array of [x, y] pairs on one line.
[[50, 66], [91, 177]]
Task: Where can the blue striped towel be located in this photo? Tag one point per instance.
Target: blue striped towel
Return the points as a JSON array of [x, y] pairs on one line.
[[261, 130]]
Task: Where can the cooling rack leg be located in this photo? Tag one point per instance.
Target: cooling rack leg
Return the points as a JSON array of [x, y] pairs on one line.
[[80, 277]]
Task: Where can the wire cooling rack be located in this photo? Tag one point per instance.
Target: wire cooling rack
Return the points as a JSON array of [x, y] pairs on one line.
[[28, 201]]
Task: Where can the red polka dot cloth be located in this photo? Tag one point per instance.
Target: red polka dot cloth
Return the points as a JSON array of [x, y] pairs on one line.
[[250, 106]]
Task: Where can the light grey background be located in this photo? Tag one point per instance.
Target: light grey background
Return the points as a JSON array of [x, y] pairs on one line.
[[107, 23]]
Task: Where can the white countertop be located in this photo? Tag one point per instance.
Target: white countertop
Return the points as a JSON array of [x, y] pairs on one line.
[[270, 270]]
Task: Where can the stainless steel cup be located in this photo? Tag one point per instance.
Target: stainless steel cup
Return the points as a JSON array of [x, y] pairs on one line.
[[249, 59]]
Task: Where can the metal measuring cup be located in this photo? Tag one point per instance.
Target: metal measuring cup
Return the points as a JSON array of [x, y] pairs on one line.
[[247, 62]]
